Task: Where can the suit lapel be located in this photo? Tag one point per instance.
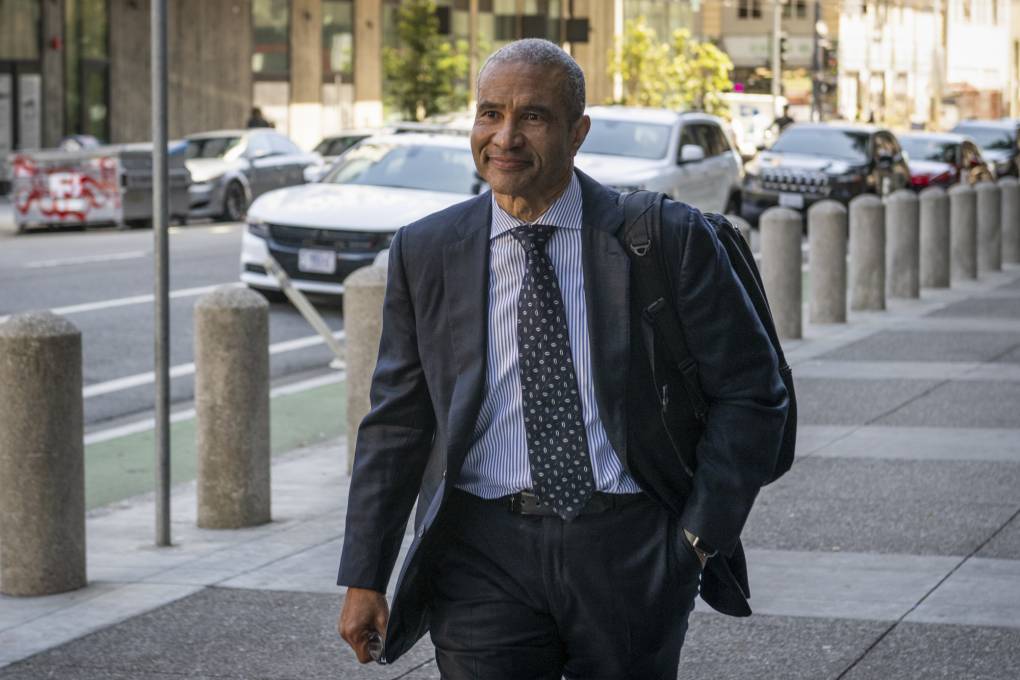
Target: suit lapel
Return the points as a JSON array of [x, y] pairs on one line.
[[466, 280], [607, 295]]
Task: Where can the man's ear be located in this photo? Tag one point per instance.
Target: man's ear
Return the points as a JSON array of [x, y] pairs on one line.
[[578, 133]]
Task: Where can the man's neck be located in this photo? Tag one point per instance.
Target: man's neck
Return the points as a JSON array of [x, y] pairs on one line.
[[530, 208]]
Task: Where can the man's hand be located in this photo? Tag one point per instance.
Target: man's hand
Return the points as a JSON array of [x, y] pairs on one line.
[[364, 612]]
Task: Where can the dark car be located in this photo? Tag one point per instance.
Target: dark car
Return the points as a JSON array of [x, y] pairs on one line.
[[814, 161], [231, 168], [999, 141], [943, 159]]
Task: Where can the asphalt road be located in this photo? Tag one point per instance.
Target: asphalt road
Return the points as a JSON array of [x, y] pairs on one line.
[[102, 281]]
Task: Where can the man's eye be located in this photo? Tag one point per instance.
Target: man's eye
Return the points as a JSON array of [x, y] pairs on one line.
[[532, 116]]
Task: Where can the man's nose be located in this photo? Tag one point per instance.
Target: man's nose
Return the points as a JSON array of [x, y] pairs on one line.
[[508, 134]]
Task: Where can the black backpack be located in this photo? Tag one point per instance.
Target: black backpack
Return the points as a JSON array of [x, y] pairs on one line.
[[661, 331]]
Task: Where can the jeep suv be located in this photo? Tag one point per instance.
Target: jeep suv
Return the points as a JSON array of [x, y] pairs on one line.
[[814, 161]]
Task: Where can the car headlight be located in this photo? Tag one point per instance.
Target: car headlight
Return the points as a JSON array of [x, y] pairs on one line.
[[257, 227], [202, 186]]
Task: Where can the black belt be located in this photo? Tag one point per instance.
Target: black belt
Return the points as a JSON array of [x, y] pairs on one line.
[[527, 503]]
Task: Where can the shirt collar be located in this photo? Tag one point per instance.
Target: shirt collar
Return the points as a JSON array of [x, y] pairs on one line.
[[565, 212]]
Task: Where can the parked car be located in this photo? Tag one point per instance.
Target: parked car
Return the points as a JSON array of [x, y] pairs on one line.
[[687, 156], [231, 168], [319, 233], [813, 161], [999, 141], [331, 148], [943, 159]]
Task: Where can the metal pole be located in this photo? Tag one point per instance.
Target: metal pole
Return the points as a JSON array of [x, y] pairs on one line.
[[777, 67], [160, 214]]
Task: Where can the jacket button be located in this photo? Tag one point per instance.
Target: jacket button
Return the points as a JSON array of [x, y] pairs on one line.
[[444, 474], [421, 532]]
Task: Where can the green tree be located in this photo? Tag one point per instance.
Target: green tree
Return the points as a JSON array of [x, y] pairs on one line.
[[425, 74], [702, 73], [644, 65], [686, 74]]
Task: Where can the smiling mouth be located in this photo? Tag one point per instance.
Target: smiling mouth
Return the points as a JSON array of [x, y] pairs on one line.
[[503, 163]]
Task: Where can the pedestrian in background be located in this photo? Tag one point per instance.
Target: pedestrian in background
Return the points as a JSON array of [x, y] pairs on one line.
[[257, 120]]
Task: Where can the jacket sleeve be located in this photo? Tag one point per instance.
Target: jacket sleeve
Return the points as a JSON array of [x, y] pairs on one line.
[[392, 445], [739, 374]]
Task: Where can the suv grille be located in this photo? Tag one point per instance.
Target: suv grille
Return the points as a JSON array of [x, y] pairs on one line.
[[346, 241], [778, 179]]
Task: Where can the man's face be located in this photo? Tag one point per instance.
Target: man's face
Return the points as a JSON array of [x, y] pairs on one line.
[[522, 140]]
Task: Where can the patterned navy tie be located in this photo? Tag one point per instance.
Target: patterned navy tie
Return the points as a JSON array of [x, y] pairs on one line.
[[557, 443]]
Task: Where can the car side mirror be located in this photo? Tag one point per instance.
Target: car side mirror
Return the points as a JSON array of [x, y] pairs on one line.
[[691, 153]]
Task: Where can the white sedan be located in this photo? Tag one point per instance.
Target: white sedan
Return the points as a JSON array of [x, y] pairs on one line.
[[320, 233], [687, 156]]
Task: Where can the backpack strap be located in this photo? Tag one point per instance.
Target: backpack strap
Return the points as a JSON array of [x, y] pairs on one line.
[[642, 237]]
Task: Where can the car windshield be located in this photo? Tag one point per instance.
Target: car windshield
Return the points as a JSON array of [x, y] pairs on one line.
[[928, 149], [831, 143], [214, 147], [626, 138], [995, 139], [407, 166]]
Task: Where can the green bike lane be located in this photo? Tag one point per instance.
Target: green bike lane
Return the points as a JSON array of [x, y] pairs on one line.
[[123, 467]]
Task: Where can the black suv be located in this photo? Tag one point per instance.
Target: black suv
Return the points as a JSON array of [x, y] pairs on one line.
[[814, 161], [999, 141]]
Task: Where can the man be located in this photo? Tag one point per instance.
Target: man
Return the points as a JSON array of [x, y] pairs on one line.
[[257, 120], [783, 121], [510, 400]]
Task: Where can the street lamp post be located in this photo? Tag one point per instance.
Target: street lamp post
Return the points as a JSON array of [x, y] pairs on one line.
[[777, 67]]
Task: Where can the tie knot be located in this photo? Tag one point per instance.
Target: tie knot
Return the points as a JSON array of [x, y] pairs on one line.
[[532, 237]]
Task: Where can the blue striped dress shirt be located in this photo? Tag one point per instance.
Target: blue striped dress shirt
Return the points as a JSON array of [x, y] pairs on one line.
[[497, 462]]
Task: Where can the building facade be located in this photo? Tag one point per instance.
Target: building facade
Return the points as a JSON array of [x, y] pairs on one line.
[[313, 66], [928, 63]]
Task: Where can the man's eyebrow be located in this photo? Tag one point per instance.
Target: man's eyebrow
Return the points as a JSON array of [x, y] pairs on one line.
[[488, 105], [539, 109]]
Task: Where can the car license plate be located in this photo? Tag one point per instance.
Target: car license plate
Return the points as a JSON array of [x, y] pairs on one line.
[[791, 200], [316, 261]]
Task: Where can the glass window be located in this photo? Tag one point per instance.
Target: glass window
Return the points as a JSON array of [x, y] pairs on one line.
[[19, 29], [844, 144], [271, 29], [749, 9], [429, 168], [214, 147], [626, 138], [929, 149], [338, 40], [996, 139], [258, 145], [86, 68], [282, 145]]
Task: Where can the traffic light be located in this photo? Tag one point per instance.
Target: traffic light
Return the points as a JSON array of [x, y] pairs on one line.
[[784, 47]]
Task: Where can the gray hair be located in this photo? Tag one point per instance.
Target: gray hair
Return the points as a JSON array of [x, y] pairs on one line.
[[538, 52]]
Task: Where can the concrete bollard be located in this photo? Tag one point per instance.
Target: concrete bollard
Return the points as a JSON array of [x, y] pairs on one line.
[[1009, 187], [827, 235], [867, 253], [42, 460], [903, 245], [989, 227], [963, 233], [742, 225], [935, 242], [364, 291], [781, 259], [232, 405]]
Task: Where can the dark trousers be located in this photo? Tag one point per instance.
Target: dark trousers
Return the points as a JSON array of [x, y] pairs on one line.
[[606, 596]]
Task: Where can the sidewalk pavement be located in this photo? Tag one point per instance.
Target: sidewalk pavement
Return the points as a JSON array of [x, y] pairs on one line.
[[891, 550]]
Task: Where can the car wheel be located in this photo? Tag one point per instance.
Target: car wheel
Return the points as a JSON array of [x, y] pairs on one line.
[[235, 203]]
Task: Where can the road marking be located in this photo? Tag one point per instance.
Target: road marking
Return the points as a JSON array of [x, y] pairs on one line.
[[181, 370], [133, 300], [187, 414], [87, 259]]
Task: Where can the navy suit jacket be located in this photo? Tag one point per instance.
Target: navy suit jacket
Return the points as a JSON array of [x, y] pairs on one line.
[[428, 385]]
